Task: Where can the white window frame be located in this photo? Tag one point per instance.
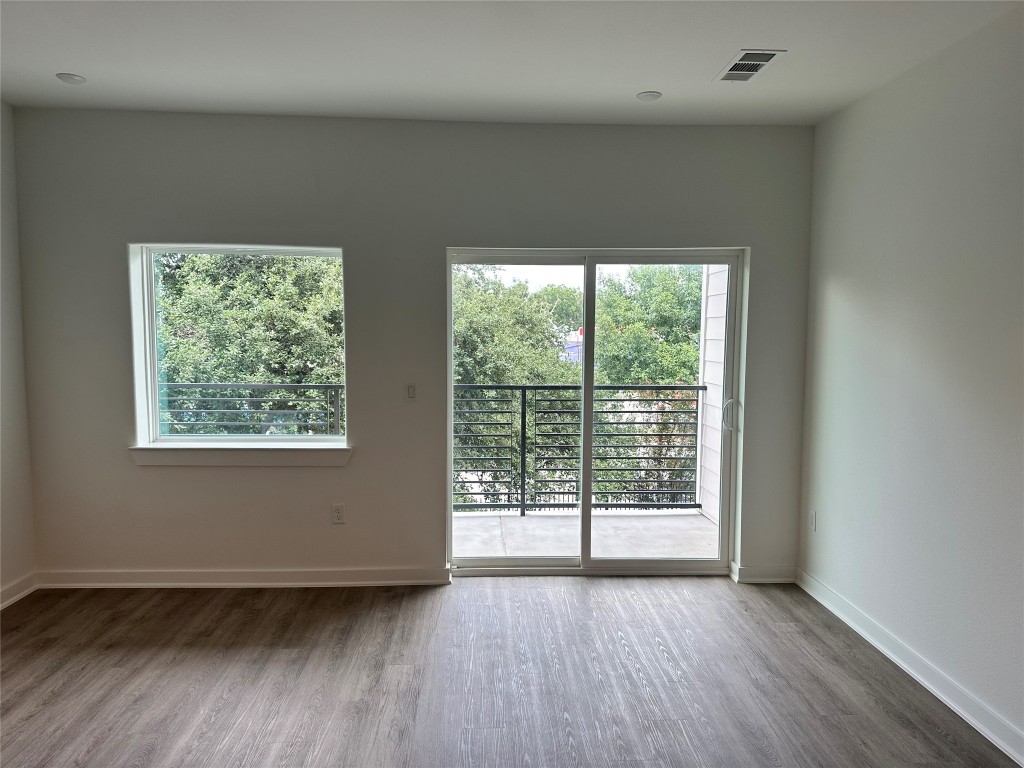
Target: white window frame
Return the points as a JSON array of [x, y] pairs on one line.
[[152, 448]]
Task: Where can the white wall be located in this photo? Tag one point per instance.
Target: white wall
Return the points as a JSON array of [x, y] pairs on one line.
[[393, 195], [915, 391], [17, 547]]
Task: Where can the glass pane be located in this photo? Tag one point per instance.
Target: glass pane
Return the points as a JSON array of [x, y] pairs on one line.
[[659, 337], [517, 350], [249, 344]]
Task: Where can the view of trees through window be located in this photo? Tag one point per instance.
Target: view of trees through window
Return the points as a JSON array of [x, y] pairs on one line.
[[648, 327], [517, 372], [250, 343]]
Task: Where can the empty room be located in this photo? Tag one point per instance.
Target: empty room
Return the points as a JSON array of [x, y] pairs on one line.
[[542, 384]]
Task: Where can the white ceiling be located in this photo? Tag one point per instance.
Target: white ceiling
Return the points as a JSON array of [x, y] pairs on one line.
[[554, 62]]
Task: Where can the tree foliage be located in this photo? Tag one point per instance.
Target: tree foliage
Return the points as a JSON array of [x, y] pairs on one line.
[[250, 318], [648, 328], [504, 334]]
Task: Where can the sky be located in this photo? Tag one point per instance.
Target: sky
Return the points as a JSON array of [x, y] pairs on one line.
[[537, 276]]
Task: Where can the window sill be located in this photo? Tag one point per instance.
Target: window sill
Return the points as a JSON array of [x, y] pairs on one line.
[[320, 453]]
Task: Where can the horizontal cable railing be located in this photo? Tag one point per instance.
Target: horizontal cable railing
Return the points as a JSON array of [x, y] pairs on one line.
[[235, 408], [517, 446]]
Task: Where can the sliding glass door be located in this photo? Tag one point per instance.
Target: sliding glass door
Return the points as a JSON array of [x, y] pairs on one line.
[[650, 392], [586, 409], [516, 387]]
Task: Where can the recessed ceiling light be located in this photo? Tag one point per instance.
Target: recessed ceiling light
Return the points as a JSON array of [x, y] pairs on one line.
[[649, 95], [70, 78]]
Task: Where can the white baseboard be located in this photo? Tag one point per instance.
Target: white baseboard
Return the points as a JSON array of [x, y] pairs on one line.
[[294, 577], [762, 574], [996, 728], [18, 589]]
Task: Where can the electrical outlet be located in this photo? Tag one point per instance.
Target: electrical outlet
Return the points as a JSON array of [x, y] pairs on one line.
[[338, 515], [813, 520], [410, 392]]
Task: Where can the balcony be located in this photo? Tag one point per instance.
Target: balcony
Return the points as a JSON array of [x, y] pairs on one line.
[[516, 463]]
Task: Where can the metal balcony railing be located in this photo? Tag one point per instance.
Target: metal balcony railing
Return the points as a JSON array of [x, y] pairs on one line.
[[517, 447], [251, 409]]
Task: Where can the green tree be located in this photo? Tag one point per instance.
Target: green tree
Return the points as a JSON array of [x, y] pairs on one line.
[[504, 334], [648, 325], [564, 305], [250, 319], [254, 319]]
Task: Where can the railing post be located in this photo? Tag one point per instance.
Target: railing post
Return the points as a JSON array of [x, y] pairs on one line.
[[579, 471], [522, 452], [699, 450], [336, 396]]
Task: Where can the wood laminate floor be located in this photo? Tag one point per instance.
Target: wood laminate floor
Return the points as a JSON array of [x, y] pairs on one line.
[[554, 671]]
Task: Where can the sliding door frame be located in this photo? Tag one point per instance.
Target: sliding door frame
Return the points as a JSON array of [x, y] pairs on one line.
[[590, 259]]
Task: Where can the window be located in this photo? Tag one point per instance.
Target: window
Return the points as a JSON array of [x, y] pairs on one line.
[[238, 347]]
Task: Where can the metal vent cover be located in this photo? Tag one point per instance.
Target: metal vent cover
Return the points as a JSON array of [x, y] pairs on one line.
[[742, 66], [747, 63], [737, 76]]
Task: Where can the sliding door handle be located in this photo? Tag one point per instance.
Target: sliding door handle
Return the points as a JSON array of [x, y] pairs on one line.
[[728, 414]]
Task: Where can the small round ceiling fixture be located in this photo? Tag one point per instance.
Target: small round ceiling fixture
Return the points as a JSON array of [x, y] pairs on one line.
[[70, 78], [649, 95]]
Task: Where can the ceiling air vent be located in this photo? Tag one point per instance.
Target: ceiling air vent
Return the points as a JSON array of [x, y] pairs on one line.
[[747, 63]]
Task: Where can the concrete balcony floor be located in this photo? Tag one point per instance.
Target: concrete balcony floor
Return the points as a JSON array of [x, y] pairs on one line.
[[627, 533]]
